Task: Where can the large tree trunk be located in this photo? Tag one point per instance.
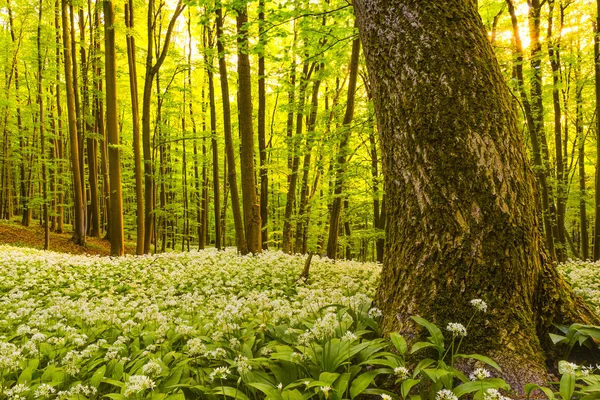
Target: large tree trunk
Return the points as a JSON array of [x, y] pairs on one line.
[[462, 222]]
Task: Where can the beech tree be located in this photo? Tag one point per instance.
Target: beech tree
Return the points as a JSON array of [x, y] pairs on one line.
[[462, 222]]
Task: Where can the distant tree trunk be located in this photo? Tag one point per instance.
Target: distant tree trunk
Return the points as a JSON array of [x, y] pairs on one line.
[[98, 116], [151, 71], [295, 146], [93, 223], [60, 209], [41, 120], [208, 59], [80, 128], [583, 221], [561, 176], [252, 220], [302, 224], [135, 116], [240, 236], [79, 205], [264, 174], [597, 88], [450, 130], [117, 246], [340, 162], [533, 126]]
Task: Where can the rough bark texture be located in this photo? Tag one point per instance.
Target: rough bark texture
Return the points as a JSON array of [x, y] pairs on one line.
[[461, 213]]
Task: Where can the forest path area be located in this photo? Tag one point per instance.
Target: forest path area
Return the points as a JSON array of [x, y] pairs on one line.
[[15, 234]]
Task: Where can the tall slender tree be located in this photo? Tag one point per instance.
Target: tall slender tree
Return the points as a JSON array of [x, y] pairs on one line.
[[117, 246], [79, 232]]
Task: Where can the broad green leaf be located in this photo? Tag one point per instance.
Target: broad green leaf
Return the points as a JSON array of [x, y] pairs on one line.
[[230, 392], [399, 342], [361, 382], [567, 386]]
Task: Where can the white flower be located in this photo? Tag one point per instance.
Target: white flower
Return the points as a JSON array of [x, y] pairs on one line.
[[242, 364], [479, 374], [375, 312], [16, 391], [196, 347], [401, 372], [152, 368], [219, 373], [280, 386], [567, 368], [386, 397], [493, 394], [325, 390], [445, 394], [456, 329], [138, 383], [479, 305], [349, 337], [44, 390]]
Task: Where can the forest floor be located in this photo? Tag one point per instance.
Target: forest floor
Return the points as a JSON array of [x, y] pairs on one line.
[[15, 234]]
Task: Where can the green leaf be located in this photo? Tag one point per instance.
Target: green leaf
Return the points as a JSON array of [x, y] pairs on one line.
[[25, 376], [115, 396], [470, 387], [269, 390], [530, 387], [399, 342], [230, 392], [567, 386], [436, 334], [481, 358], [556, 339], [328, 377], [362, 382], [422, 345], [407, 385], [114, 382], [96, 379]]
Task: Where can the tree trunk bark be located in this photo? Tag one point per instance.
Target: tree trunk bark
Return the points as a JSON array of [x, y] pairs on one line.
[[583, 220], [461, 216], [262, 152], [534, 136], [240, 236], [597, 87], [251, 207], [340, 167], [135, 115], [79, 205], [208, 58], [117, 247]]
